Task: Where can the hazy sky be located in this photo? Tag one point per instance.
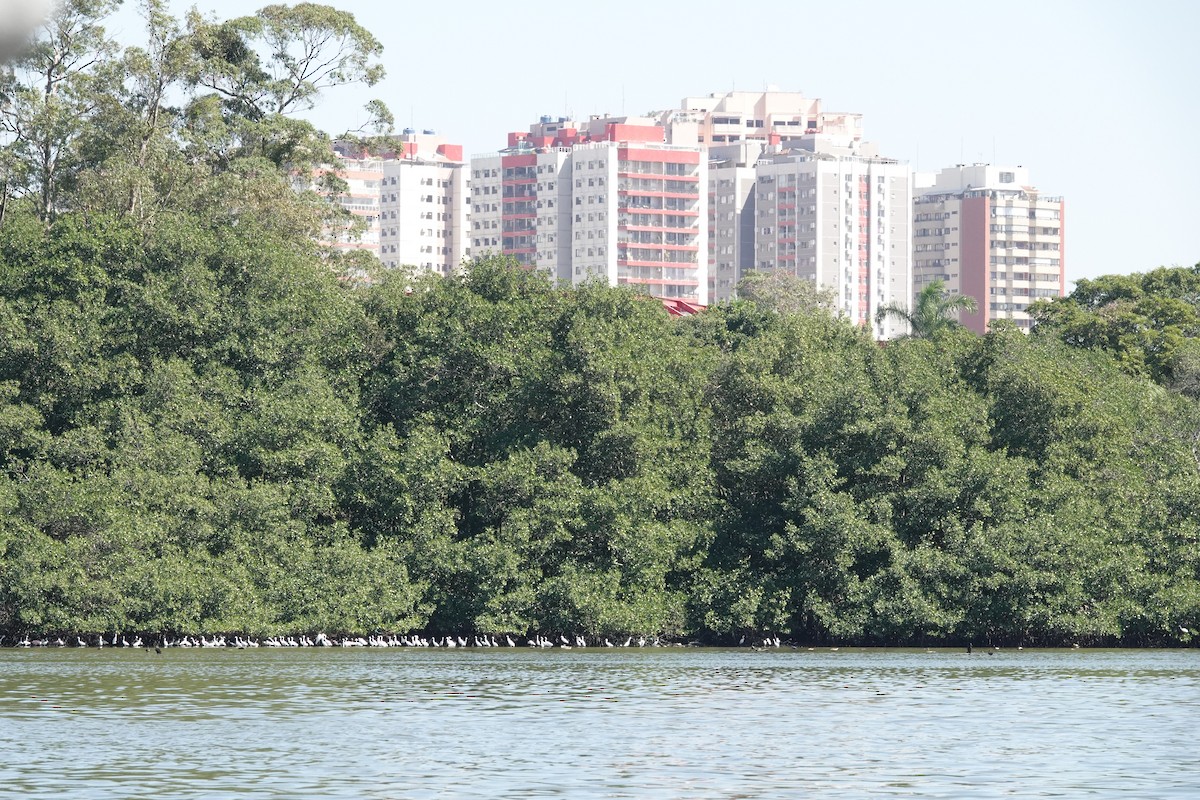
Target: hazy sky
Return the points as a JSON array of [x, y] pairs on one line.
[[1100, 99]]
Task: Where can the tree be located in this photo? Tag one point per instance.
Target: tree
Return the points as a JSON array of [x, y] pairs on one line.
[[47, 101], [785, 293], [1148, 322], [142, 162], [933, 312], [264, 68]]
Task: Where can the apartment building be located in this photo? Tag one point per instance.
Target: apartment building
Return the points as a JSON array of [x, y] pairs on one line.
[[604, 199], [771, 154], [987, 232], [772, 117], [520, 206], [424, 204], [731, 177], [361, 176], [841, 221]]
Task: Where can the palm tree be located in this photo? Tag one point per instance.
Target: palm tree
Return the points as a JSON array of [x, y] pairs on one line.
[[934, 312]]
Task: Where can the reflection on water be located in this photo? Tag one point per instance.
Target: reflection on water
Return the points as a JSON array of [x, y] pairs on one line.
[[401, 723]]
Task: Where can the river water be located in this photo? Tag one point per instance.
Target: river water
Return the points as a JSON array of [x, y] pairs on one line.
[[661, 722]]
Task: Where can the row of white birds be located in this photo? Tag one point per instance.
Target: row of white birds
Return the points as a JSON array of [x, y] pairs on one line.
[[382, 640]]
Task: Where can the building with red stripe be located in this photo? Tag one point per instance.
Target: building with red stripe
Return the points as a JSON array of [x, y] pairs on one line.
[[603, 200]]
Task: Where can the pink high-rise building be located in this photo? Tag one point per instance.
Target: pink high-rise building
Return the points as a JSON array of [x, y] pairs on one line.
[[606, 199]]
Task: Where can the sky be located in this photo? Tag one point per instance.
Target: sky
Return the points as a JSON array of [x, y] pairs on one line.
[[1099, 99]]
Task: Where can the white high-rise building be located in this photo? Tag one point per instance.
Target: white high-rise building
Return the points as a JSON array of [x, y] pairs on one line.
[[841, 221], [772, 117], [987, 232], [520, 206], [731, 178], [790, 188], [423, 204]]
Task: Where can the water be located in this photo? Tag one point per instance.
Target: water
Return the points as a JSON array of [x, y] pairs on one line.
[[670, 723]]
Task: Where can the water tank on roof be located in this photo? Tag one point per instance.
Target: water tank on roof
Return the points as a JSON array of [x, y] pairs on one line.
[[408, 131], [429, 131], [546, 119]]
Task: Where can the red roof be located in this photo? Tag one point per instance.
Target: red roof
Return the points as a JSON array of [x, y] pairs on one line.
[[681, 308]]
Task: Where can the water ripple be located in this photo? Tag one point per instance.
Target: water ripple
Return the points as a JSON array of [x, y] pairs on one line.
[[597, 723]]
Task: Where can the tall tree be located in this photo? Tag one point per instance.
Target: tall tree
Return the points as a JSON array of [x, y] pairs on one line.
[[266, 67], [934, 312], [785, 293], [48, 98]]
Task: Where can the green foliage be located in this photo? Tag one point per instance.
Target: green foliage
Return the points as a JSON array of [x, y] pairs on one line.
[[785, 293], [1148, 322], [203, 430], [934, 312]]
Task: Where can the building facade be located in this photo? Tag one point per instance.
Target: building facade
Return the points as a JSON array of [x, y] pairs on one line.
[[842, 222], [771, 116], [602, 200], [987, 232], [361, 176], [795, 188], [424, 204], [731, 196]]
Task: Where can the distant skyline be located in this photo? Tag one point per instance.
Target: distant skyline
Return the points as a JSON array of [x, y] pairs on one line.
[[1095, 97]]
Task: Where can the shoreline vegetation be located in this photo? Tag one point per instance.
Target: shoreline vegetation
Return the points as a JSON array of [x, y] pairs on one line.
[[209, 423]]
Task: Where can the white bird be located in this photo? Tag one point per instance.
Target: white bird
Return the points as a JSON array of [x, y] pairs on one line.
[[508, 641]]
